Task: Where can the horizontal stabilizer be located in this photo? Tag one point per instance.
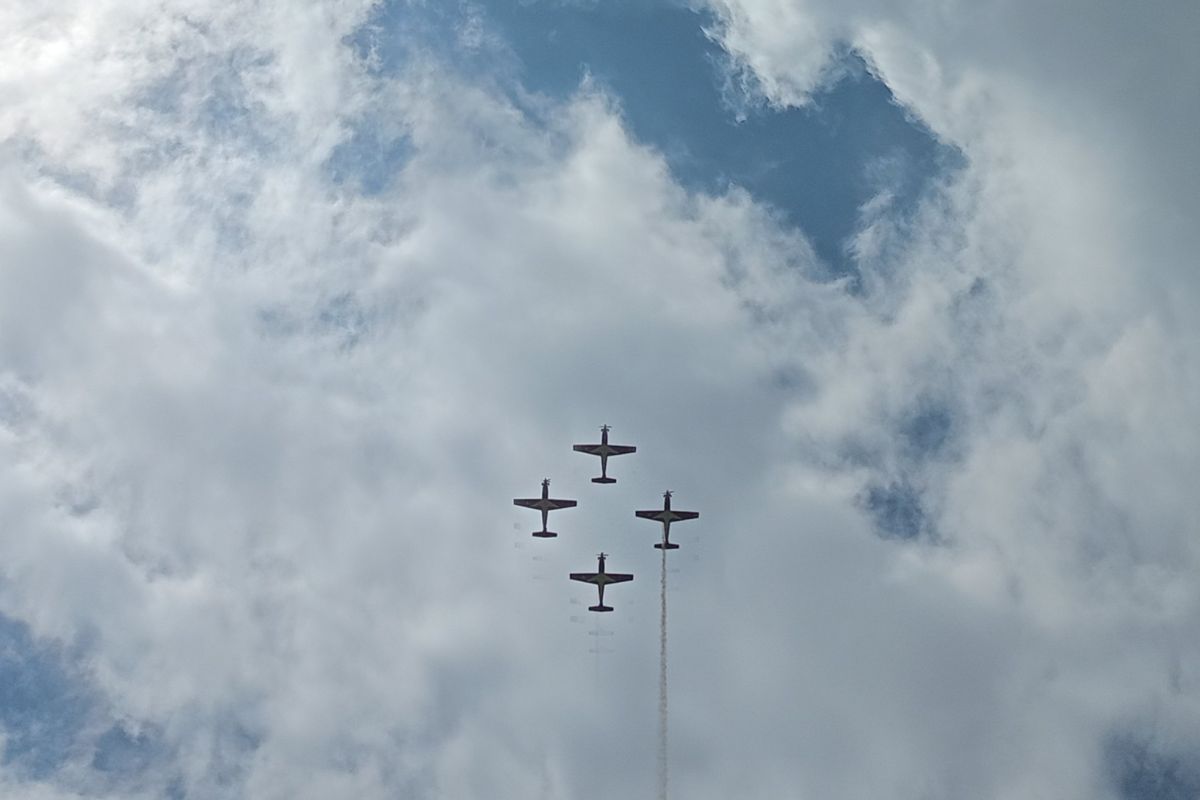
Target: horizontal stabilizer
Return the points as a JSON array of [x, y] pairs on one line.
[[545, 534], [604, 480], [667, 546], [599, 608]]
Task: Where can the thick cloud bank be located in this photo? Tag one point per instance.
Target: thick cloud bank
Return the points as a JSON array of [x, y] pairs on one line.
[[291, 308]]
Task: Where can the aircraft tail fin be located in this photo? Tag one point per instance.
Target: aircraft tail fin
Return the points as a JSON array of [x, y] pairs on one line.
[[604, 480], [667, 546], [545, 534], [600, 608]]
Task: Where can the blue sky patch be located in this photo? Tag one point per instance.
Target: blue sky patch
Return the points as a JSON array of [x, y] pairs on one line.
[[1141, 772], [895, 510], [51, 715], [928, 431], [123, 751], [44, 706], [817, 165], [369, 158]]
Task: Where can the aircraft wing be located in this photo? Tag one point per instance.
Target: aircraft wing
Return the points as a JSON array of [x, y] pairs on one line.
[[594, 449], [618, 577], [586, 577], [621, 449], [529, 502], [681, 515], [563, 503], [652, 514]]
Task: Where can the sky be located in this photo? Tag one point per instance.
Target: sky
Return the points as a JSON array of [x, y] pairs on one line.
[[296, 298]]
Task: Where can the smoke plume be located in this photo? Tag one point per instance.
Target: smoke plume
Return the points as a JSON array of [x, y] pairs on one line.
[[662, 682]]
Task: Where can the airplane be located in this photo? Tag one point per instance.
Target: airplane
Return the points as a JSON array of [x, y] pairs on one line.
[[601, 579], [604, 450], [545, 504], [666, 516]]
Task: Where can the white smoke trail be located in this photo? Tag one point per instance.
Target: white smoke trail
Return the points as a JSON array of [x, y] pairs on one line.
[[662, 682]]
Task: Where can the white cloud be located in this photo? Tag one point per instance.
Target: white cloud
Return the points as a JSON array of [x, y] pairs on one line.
[[264, 431], [272, 430], [1051, 302]]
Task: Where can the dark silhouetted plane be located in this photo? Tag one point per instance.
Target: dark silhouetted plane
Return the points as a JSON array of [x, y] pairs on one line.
[[604, 450], [666, 516], [545, 504], [601, 579]]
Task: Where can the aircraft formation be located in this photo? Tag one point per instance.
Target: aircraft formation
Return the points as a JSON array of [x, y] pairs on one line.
[[545, 504]]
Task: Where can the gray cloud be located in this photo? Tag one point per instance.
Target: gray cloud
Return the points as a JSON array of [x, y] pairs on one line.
[[261, 431], [1052, 314]]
